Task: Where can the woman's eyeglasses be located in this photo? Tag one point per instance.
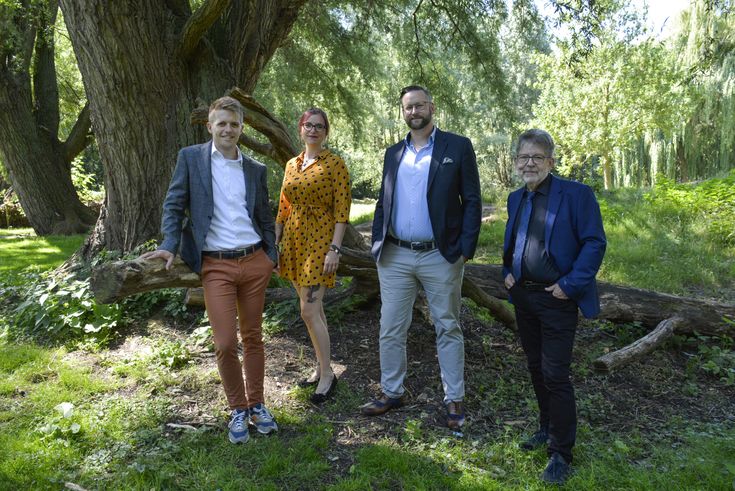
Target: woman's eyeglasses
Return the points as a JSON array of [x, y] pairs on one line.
[[311, 126]]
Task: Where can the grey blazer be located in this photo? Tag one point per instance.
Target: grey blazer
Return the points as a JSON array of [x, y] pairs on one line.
[[188, 207]]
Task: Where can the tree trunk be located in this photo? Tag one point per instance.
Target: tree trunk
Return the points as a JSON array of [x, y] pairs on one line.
[[146, 66], [38, 164], [37, 172]]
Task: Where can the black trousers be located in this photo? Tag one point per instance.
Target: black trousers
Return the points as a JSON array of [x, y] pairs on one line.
[[547, 326]]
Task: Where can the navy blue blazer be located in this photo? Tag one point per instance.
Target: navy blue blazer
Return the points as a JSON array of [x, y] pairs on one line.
[[453, 196], [189, 205], [573, 237]]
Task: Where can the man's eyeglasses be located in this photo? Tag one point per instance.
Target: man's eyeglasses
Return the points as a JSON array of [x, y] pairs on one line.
[[419, 107], [311, 126], [537, 159]]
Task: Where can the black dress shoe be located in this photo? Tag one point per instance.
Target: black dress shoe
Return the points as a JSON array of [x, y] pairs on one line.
[[537, 440], [557, 470], [307, 383], [317, 398]]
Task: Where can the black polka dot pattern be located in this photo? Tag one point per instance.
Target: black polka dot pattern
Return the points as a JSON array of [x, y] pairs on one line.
[[312, 201]]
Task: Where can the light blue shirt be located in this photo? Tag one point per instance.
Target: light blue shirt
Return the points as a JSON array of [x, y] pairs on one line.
[[410, 215]]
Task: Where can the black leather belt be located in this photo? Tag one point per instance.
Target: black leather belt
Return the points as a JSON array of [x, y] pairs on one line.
[[414, 246], [534, 286], [233, 254]]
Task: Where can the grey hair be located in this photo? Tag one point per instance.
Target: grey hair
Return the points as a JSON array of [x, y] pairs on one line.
[[538, 137]]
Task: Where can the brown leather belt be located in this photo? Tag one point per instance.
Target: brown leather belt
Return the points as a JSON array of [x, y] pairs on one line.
[[237, 253]]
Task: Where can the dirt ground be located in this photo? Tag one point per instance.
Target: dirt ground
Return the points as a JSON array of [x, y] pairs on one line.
[[641, 399]]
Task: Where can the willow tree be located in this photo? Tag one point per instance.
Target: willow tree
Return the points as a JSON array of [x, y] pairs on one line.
[[473, 56], [599, 105], [38, 162], [706, 49], [146, 65]]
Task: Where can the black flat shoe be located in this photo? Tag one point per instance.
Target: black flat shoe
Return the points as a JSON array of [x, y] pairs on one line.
[[317, 398], [307, 383]]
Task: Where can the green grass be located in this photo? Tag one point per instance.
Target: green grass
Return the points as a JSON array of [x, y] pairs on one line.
[[650, 245], [123, 441], [362, 211], [20, 248]]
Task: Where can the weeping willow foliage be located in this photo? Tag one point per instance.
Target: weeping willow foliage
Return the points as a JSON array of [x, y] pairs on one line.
[[703, 142], [352, 58], [708, 136]]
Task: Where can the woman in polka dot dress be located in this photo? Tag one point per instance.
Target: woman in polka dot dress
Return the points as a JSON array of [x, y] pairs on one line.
[[312, 217]]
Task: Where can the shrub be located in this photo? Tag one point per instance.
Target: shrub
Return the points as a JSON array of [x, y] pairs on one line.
[[57, 307]]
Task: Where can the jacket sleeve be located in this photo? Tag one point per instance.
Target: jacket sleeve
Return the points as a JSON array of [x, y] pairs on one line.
[[175, 206], [265, 217], [591, 237]]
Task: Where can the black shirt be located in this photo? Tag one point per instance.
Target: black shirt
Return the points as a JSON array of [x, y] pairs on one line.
[[537, 266]]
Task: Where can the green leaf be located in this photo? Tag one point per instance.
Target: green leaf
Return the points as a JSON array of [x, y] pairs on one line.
[[66, 409]]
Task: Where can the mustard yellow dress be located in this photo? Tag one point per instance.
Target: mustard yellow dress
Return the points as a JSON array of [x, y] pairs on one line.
[[312, 201]]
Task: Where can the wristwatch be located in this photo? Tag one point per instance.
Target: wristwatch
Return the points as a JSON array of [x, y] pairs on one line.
[[335, 248]]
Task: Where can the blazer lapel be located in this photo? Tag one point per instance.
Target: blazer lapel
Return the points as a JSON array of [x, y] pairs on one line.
[[393, 175], [205, 170], [249, 176], [552, 209], [440, 146]]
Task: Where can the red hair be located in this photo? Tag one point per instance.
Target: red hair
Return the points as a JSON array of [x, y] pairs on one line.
[[310, 112]]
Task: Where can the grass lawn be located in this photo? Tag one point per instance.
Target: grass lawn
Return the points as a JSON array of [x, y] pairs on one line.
[[362, 211], [20, 248]]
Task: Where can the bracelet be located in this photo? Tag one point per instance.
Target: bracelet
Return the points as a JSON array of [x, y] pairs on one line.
[[335, 248]]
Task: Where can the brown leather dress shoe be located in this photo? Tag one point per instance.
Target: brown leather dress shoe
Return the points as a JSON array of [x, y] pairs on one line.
[[455, 415], [382, 405]]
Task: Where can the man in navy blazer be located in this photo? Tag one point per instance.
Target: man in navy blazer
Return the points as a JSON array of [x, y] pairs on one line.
[[217, 216], [426, 225], [554, 245]]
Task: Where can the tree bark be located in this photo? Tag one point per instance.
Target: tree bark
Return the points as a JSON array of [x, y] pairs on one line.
[[38, 165], [152, 63]]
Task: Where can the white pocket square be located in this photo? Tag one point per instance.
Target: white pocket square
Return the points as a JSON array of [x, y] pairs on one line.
[[447, 160]]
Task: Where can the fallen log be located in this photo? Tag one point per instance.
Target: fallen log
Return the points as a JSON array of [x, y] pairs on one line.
[[483, 283], [643, 346]]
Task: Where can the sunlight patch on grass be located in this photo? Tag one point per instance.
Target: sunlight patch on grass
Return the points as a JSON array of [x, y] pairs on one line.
[[361, 211], [20, 252]]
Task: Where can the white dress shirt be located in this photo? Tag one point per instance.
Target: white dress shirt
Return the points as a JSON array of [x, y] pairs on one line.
[[231, 227]]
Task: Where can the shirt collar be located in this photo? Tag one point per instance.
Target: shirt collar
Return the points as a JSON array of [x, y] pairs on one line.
[[320, 156], [430, 143], [217, 152]]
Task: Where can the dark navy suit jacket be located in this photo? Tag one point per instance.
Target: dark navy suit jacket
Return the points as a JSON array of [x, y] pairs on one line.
[[189, 205], [453, 196], [573, 237]]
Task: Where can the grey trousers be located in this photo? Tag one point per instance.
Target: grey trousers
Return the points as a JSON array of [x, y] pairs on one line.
[[400, 271]]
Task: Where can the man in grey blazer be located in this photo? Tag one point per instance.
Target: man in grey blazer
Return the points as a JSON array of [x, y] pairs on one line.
[[426, 225], [216, 215]]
